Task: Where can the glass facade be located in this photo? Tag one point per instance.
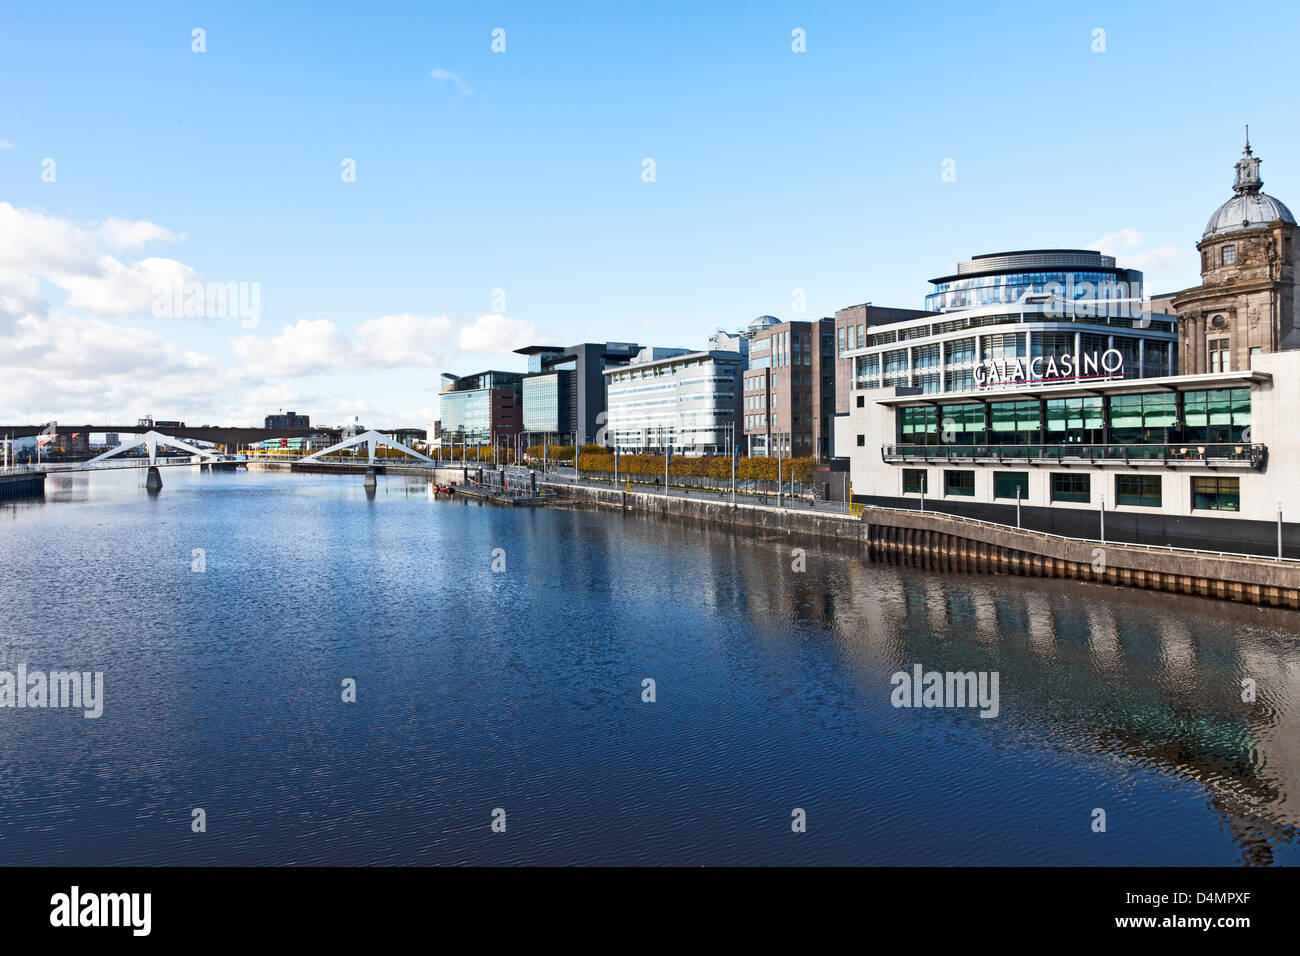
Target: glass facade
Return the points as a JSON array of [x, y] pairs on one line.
[[547, 403], [480, 408], [936, 357], [467, 416], [1007, 289], [1215, 416], [695, 403], [1218, 415]]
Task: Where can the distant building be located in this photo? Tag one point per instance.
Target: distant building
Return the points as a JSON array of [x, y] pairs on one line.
[[483, 408], [789, 389], [407, 436], [687, 400], [288, 420], [564, 390], [722, 341]]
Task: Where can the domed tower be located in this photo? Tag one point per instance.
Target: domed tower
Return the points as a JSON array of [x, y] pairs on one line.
[[1246, 301]]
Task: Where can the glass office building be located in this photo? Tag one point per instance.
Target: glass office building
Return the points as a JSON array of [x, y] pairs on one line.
[[481, 408], [548, 402], [571, 404], [1021, 318], [689, 402], [1003, 278]]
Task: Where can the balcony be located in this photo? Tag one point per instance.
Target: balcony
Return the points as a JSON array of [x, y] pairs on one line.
[[1238, 454]]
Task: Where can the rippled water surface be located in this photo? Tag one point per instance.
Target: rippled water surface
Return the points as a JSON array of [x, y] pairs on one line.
[[522, 690]]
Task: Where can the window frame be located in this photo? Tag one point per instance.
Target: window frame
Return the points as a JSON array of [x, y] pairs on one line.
[[1059, 496], [961, 492]]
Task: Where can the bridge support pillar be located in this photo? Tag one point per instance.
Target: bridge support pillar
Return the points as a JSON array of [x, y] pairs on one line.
[[153, 480], [370, 478]]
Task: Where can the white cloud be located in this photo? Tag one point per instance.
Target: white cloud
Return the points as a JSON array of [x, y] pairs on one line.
[[69, 360], [317, 345], [128, 234], [404, 340], [440, 75], [310, 345], [33, 244], [5, 144], [495, 334], [1162, 266], [119, 289], [77, 368]]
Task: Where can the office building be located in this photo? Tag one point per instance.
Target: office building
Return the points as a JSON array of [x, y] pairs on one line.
[[288, 420], [689, 401], [484, 408], [1014, 319], [789, 389], [564, 390]]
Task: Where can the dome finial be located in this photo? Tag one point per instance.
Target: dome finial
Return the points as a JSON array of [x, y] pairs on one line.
[[1248, 182]]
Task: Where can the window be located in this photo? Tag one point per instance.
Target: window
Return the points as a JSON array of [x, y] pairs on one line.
[[1066, 487], [1219, 358], [1229, 255], [959, 483], [1220, 415], [914, 481], [963, 424], [1142, 490], [1216, 494], [1011, 484], [862, 402], [1014, 423], [1146, 418], [862, 441], [1074, 420], [918, 426]]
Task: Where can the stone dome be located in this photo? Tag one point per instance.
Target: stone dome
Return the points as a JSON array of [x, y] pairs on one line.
[[1251, 206], [1244, 212]]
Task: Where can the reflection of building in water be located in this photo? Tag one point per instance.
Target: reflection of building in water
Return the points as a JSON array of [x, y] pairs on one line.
[[1088, 670]]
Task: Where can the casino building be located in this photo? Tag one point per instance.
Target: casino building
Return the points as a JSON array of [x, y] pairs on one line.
[[1020, 318], [1039, 392]]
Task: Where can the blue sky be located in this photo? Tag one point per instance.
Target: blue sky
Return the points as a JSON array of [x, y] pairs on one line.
[[521, 171]]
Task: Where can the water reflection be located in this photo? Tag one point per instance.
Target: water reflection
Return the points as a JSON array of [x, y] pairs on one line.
[[772, 669]]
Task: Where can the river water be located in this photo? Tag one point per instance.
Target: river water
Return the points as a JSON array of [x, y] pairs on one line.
[[500, 659]]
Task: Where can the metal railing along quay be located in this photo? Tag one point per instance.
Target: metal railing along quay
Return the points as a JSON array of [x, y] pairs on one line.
[[1100, 542], [766, 498]]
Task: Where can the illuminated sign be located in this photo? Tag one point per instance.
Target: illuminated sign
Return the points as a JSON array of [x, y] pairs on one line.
[[1046, 369]]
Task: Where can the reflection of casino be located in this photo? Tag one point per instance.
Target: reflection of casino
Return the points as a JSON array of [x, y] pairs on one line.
[[1050, 397]]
